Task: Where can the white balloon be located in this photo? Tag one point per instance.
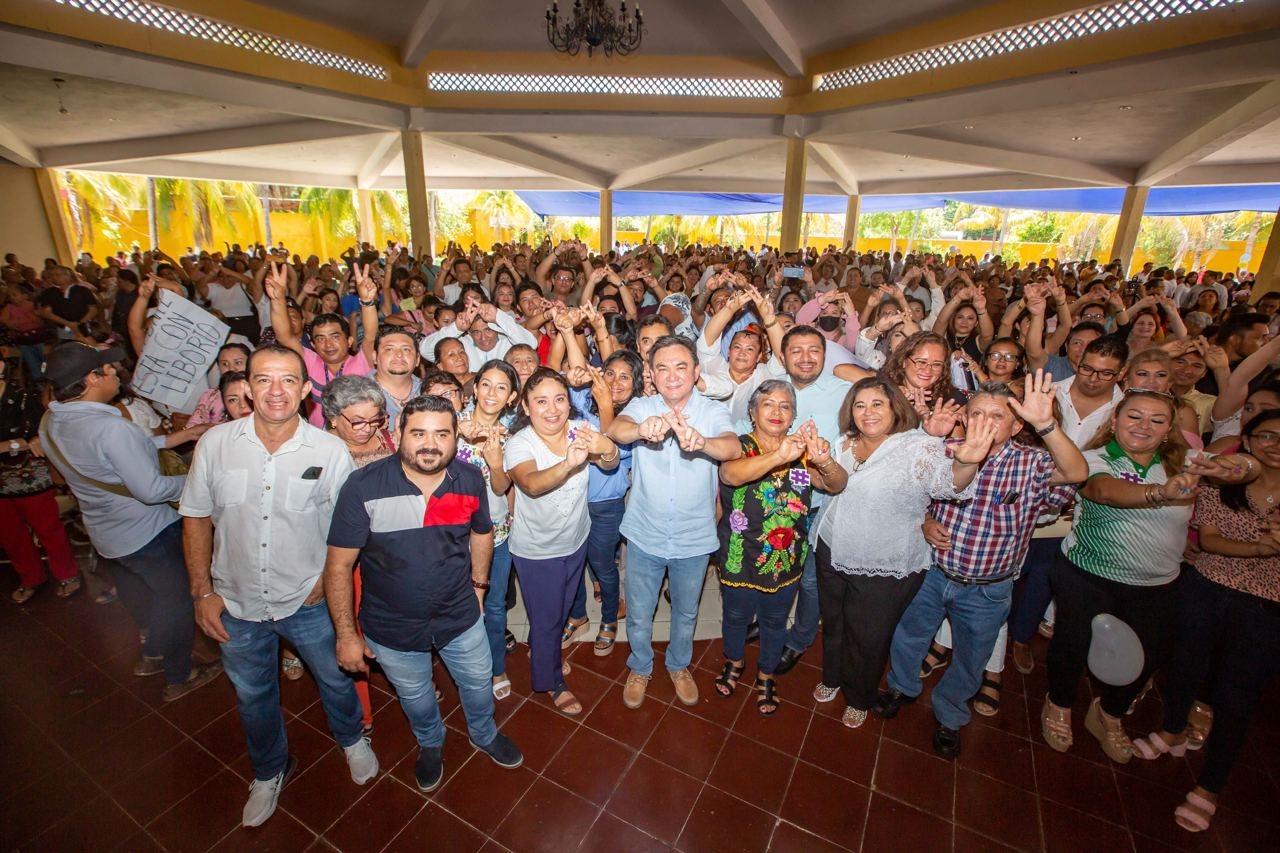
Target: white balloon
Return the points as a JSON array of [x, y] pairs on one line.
[[1115, 652]]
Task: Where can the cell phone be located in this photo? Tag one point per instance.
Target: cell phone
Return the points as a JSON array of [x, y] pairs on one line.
[[793, 272]]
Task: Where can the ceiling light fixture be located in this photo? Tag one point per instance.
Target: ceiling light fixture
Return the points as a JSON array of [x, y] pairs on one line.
[[597, 27], [1125, 107], [1076, 138]]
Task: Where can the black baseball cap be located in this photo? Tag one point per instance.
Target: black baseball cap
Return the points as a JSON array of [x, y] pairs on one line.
[[73, 361]]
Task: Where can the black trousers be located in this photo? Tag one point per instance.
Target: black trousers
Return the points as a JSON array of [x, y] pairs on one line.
[[1151, 611], [859, 614]]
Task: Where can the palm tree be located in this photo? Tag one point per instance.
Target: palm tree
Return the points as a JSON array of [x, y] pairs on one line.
[[334, 208], [504, 209], [208, 203], [98, 197]]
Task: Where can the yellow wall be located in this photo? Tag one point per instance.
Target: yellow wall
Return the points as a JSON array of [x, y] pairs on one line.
[[24, 230]]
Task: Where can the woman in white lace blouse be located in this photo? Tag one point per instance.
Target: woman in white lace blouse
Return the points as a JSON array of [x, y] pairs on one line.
[[871, 552]]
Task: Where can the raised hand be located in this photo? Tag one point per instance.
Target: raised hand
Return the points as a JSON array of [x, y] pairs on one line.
[[578, 450], [578, 376], [919, 400], [690, 440], [941, 420], [1036, 407], [979, 435], [366, 287], [790, 448], [1181, 487]]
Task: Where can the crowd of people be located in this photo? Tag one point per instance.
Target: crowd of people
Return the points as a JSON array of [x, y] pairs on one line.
[[916, 458]]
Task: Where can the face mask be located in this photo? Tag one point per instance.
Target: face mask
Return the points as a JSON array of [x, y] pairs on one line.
[[828, 324]]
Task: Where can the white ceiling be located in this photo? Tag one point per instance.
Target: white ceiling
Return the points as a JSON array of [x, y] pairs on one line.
[[167, 117]]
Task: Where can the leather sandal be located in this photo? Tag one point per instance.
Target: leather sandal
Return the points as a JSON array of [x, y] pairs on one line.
[[728, 680], [1154, 745], [767, 703], [566, 703], [987, 703], [1199, 723], [1055, 726], [571, 630], [934, 660]]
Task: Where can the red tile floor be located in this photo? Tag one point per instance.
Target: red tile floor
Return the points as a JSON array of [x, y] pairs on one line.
[[94, 761]]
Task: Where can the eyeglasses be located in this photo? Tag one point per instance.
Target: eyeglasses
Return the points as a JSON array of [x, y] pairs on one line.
[[1003, 356], [375, 423], [1105, 375], [925, 364]]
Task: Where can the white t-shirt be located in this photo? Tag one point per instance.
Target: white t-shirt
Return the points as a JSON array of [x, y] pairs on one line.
[[554, 524]]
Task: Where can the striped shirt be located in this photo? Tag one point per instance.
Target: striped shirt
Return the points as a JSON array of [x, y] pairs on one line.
[[1138, 546]]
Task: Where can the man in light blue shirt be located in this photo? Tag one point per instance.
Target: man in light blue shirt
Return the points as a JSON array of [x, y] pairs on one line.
[[680, 437], [110, 463]]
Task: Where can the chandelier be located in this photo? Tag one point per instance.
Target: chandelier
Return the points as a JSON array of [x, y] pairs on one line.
[[595, 26]]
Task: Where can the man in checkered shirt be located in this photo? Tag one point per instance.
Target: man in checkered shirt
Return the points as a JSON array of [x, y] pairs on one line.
[[971, 583]]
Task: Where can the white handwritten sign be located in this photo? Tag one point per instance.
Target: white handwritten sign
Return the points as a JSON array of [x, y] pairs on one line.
[[182, 344]]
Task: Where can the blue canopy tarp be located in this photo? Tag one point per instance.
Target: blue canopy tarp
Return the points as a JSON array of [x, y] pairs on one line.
[[1162, 201]]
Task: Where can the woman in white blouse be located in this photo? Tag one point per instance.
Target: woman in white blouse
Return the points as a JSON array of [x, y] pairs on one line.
[[871, 552], [547, 460]]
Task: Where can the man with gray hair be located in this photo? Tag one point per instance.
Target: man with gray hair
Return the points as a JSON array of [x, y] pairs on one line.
[[971, 581]]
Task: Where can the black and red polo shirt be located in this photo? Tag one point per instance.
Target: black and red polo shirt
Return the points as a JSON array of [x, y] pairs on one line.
[[415, 554]]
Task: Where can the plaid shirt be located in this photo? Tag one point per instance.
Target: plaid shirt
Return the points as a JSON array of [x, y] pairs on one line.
[[990, 533]]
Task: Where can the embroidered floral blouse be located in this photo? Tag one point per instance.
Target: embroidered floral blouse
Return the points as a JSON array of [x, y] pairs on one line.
[[764, 529]]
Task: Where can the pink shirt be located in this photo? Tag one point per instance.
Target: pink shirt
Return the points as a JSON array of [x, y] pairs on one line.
[[320, 375]]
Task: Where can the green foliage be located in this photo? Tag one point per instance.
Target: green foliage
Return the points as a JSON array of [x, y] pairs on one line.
[[1041, 228]]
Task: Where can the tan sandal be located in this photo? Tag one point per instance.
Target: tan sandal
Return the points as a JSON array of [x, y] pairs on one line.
[[1055, 726], [23, 594], [1110, 733], [1195, 813], [571, 631], [68, 587], [1199, 723]]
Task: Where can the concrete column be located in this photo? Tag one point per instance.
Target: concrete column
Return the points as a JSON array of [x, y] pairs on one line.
[[364, 217], [55, 213], [851, 212], [606, 221], [415, 181], [793, 194], [1135, 201], [1268, 277]]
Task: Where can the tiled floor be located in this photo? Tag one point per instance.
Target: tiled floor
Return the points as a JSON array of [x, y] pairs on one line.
[[93, 761]]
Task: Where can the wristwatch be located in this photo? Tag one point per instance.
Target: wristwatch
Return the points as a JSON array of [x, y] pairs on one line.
[[14, 447]]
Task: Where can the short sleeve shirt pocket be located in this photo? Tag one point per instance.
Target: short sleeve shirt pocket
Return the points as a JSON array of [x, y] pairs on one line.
[[301, 494]]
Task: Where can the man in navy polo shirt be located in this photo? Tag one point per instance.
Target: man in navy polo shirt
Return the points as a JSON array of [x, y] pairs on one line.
[[419, 524]]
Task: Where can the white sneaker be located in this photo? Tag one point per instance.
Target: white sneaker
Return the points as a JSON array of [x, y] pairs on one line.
[[263, 795], [362, 761]]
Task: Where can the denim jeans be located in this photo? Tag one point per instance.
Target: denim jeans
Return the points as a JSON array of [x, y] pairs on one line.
[[804, 628], [467, 657], [495, 607], [740, 605], [976, 614], [644, 581], [251, 659], [1032, 592], [154, 588], [602, 556], [33, 357]]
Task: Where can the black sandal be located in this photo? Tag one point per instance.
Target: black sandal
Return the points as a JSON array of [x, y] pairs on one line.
[[982, 701], [728, 680], [767, 703], [934, 660]]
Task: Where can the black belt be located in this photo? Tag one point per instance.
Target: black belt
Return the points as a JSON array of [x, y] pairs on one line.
[[975, 581]]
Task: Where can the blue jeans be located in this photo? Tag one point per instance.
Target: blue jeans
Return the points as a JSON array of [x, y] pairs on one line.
[[252, 661], [33, 356], [1033, 590], [602, 560], [740, 605], [467, 657], [495, 607], [804, 629], [644, 581], [154, 588], [976, 614]]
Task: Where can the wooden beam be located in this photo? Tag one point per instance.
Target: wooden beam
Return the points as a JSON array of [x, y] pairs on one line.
[[1255, 110], [674, 125], [759, 18], [383, 155], [519, 155], [418, 41], [984, 156], [1268, 277], [1213, 174], [852, 211], [202, 171], [686, 160], [197, 142], [364, 216], [606, 221], [835, 166], [15, 150]]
